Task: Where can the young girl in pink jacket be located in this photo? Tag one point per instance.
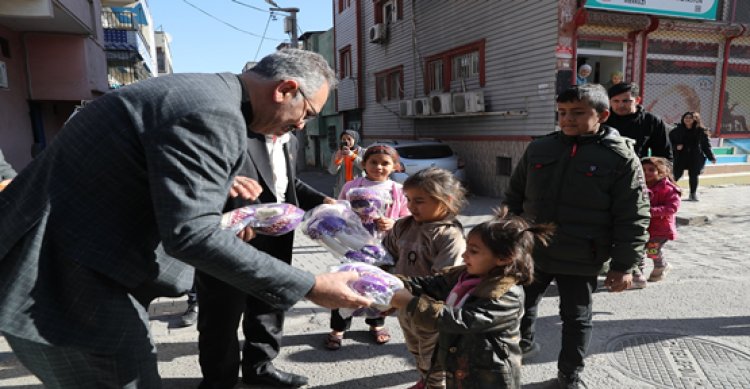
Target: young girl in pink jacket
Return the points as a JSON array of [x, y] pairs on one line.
[[665, 201]]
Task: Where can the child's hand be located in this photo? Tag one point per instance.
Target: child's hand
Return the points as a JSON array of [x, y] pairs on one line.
[[401, 298], [384, 224], [618, 281]]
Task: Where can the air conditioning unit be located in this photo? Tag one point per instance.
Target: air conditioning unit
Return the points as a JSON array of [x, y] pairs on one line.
[[422, 106], [378, 33], [441, 104], [468, 102], [406, 108]]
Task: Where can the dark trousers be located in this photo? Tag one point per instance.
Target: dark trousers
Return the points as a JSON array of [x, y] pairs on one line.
[[338, 323], [221, 306], [575, 311], [694, 171]]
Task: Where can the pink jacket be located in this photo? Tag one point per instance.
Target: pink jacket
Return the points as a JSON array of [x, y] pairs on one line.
[[665, 201]]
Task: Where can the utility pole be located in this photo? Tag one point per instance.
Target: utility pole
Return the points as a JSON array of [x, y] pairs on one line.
[[290, 23]]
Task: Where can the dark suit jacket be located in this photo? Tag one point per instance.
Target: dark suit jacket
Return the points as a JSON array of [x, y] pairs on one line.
[[147, 163], [258, 167]]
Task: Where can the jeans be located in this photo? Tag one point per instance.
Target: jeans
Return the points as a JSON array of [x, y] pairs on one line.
[[575, 311]]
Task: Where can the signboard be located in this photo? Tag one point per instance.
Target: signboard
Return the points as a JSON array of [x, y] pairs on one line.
[[693, 9]]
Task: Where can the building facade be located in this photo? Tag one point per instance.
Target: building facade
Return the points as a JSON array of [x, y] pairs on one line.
[[57, 55], [483, 76], [51, 58]]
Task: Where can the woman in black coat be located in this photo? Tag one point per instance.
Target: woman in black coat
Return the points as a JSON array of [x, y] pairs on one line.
[[691, 149]]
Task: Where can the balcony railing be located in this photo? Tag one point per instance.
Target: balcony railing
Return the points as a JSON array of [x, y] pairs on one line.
[[120, 20]]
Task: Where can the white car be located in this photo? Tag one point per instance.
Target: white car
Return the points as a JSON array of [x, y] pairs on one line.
[[421, 154]]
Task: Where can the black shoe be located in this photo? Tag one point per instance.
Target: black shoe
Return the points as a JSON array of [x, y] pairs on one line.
[[277, 378], [190, 316], [693, 197], [529, 349], [570, 381]]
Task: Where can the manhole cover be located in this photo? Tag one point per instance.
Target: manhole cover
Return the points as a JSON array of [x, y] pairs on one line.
[[678, 361]]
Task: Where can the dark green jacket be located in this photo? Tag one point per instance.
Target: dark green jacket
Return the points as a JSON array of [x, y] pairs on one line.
[[592, 188], [478, 345]]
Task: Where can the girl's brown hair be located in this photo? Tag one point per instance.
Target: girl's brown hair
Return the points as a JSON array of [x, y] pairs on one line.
[[512, 237], [663, 166], [381, 149], [442, 186]]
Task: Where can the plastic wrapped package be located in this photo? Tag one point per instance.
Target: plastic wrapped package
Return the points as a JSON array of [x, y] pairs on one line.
[[370, 204], [337, 228], [373, 283], [273, 219]]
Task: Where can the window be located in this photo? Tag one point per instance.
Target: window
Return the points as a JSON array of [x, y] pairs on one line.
[[345, 62], [388, 11], [435, 72], [344, 4], [389, 84], [457, 64], [465, 66]]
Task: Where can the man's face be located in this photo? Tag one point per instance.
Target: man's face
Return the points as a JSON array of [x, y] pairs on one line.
[[584, 72], [579, 118], [624, 103], [292, 109]]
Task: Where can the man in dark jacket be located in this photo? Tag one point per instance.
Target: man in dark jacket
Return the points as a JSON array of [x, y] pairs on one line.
[[630, 119]]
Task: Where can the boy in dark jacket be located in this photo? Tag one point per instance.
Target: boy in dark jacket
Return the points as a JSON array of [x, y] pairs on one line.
[[630, 119], [587, 180]]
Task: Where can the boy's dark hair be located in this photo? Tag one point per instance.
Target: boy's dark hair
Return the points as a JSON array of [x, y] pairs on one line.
[[441, 185], [593, 94], [512, 237], [624, 87]]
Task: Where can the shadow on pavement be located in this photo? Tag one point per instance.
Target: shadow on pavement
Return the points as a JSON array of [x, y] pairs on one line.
[[364, 348], [377, 381]]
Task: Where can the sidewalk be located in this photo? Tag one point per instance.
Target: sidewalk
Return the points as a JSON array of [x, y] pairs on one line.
[[691, 330]]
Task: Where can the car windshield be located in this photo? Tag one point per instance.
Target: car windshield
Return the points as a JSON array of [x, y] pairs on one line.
[[424, 151]]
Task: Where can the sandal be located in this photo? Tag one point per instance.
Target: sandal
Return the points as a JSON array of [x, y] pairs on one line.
[[333, 341], [381, 335]]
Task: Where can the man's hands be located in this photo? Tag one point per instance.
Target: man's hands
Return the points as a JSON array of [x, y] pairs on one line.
[[329, 200], [245, 187], [617, 281], [331, 291]]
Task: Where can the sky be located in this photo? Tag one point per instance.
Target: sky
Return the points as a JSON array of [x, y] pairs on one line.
[[232, 34]]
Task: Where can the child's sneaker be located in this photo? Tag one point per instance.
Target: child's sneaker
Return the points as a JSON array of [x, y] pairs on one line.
[[639, 281], [659, 273], [419, 385]]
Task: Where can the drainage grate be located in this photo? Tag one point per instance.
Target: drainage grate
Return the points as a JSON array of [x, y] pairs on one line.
[[678, 361]]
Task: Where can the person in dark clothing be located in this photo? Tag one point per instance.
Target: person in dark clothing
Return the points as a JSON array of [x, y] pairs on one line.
[[270, 163], [630, 119], [691, 149], [587, 180]]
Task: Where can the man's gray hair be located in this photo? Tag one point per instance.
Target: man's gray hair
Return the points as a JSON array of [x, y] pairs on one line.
[[306, 67]]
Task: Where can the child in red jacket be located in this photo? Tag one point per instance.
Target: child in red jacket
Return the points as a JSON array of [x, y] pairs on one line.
[[665, 201]]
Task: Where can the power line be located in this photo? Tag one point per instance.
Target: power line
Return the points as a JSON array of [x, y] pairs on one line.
[[251, 6], [264, 36], [228, 24]]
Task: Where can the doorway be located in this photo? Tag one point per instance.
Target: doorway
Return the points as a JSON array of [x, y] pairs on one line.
[[605, 58]]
